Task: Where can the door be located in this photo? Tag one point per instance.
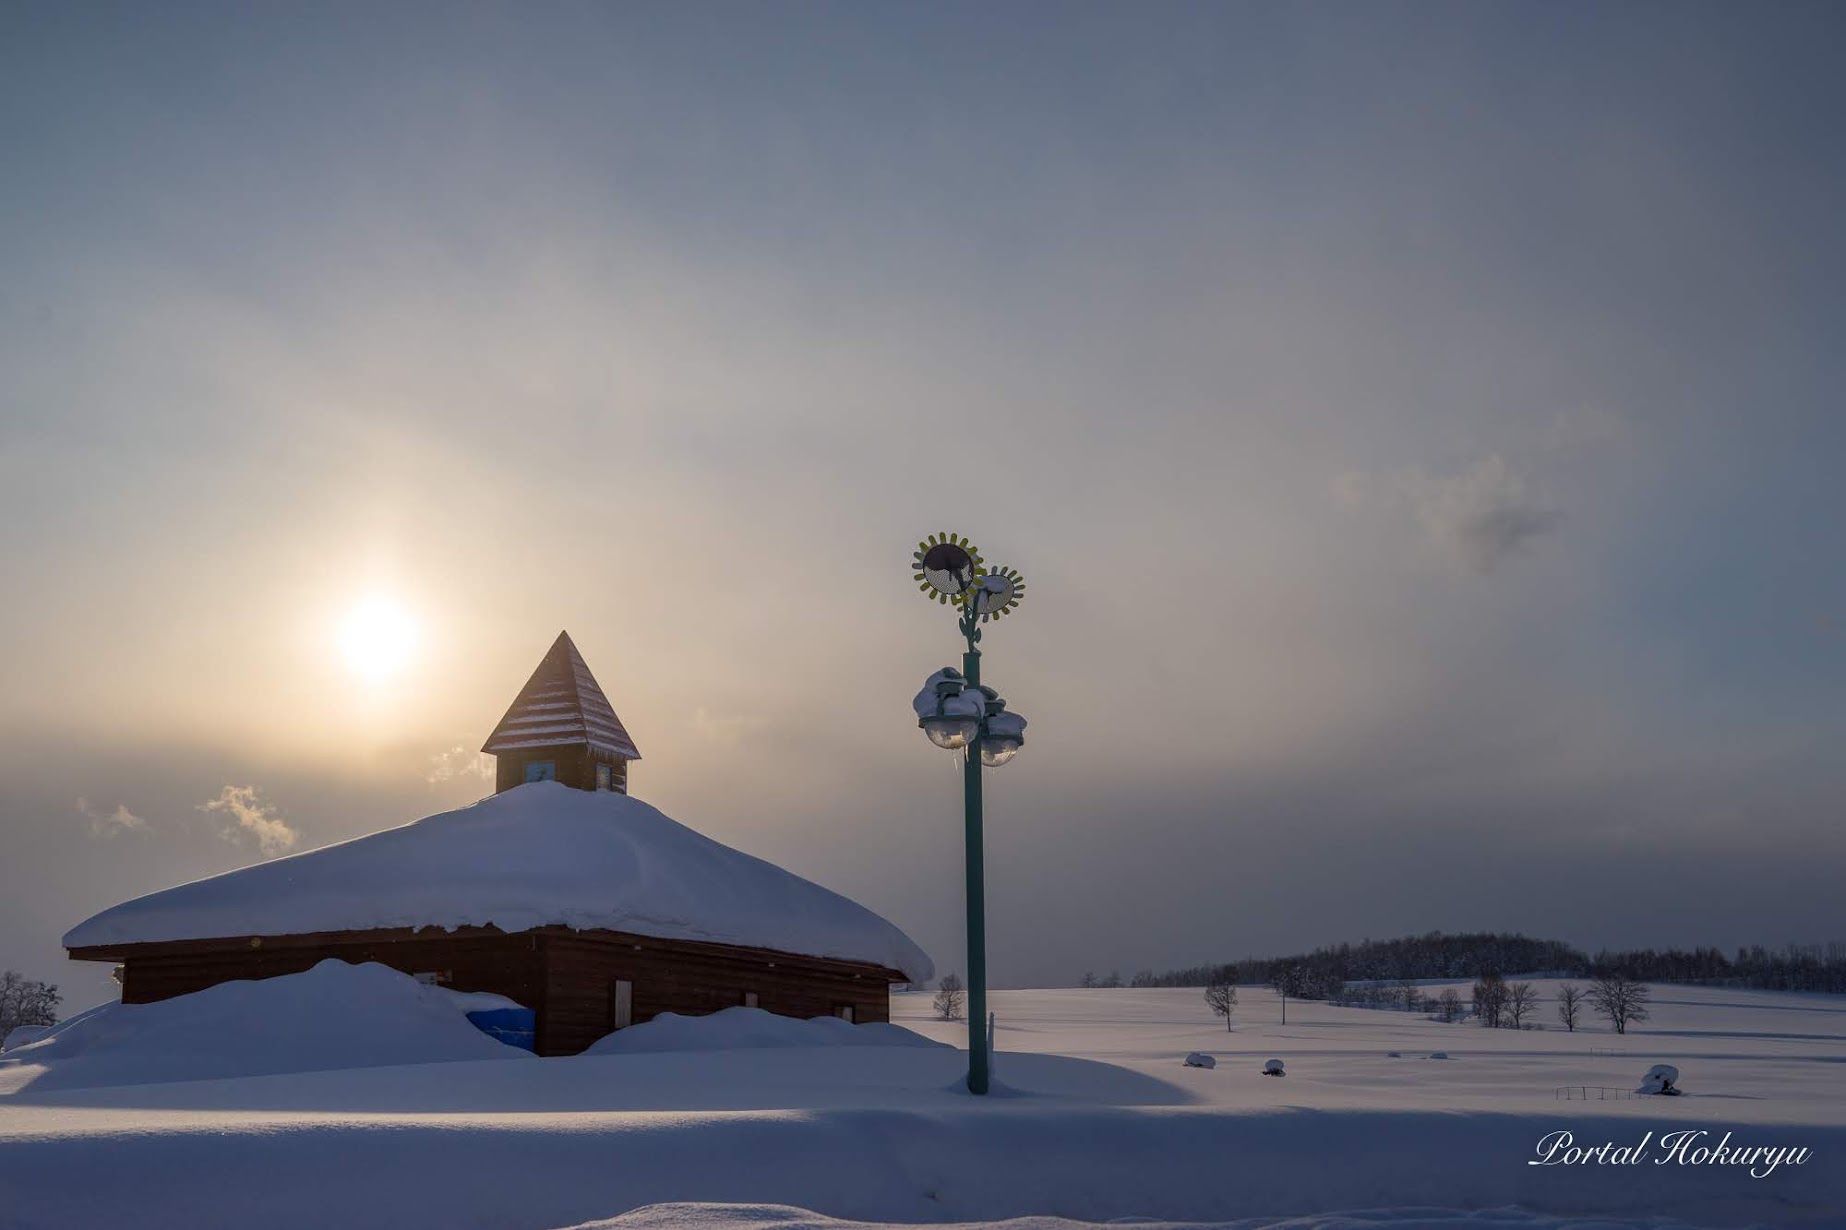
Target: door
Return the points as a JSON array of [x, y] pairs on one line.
[[622, 1003]]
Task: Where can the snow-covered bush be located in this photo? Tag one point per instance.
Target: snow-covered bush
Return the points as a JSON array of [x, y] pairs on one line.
[[1661, 1078]]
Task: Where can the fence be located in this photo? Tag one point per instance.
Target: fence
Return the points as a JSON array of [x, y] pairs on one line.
[[1593, 1093]]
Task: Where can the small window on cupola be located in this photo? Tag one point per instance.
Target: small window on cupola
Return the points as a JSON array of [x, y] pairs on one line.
[[541, 770], [602, 777]]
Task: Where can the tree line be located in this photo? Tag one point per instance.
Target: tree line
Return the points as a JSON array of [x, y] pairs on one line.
[[1325, 973], [1493, 1003]]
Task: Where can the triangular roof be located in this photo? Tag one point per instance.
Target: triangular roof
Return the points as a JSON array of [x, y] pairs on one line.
[[561, 704], [536, 855]]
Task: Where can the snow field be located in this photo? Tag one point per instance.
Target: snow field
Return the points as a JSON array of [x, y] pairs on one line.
[[1096, 1119]]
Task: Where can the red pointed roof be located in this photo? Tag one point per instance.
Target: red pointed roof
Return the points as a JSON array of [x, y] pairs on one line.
[[561, 704]]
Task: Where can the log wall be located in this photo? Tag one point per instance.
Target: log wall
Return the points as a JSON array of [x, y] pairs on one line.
[[568, 977], [582, 968]]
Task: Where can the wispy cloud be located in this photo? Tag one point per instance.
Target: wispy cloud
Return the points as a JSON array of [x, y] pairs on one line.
[[249, 815], [1477, 517], [1585, 427], [1482, 515], [459, 761], [108, 823], [726, 728]]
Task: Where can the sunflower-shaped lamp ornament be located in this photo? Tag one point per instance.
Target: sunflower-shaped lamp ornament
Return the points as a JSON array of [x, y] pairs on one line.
[[947, 567], [998, 592]]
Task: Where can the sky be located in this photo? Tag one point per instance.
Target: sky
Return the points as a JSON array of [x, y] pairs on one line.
[[1419, 426]]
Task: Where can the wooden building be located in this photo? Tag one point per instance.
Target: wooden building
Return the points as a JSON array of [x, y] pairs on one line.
[[560, 892]]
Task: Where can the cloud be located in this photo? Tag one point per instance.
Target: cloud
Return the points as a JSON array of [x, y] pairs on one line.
[[1478, 517], [459, 761], [727, 728], [1585, 427], [254, 817], [108, 823], [1352, 489], [1482, 515]]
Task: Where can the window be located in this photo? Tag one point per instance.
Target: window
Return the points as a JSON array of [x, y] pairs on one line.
[[602, 777], [749, 999], [844, 1012], [541, 770]]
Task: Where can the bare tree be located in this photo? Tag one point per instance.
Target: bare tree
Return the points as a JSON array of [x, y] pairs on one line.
[[948, 998], [25, 1002], [1490, 1000], [1113, 980], [1448, 1006], [1521, 1002], [1287, 980], [1222, 997], [1570, 1000], [1088, 980], [1620, 998]]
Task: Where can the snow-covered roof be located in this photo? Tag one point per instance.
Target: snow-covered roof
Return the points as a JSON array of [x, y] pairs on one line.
[[536, 855], [561, 704]]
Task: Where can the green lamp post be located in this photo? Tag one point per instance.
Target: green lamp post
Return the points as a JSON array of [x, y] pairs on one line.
[[960, 714]]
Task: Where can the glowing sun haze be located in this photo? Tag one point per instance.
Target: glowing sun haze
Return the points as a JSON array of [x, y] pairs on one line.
[[378, 638], [1418, 425]]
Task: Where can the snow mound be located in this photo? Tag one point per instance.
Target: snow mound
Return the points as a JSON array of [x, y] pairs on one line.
[[20, 1035], [1199, 1059], [537, 855], [332, 1016], [748, 1029]]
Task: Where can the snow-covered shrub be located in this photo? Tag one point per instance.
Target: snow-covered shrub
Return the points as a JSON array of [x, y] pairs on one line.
[[1661, 1078]]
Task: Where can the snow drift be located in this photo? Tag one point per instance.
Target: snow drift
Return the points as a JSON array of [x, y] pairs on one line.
[[20, 1035], [717, 1216], [750, 1029], [332, 1016], [537, 855]]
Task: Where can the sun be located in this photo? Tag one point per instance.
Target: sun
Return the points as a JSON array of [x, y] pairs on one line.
[[378, 638]]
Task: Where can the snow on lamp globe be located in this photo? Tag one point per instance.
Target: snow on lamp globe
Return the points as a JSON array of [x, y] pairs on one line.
[[946, 712], [1006, 734]]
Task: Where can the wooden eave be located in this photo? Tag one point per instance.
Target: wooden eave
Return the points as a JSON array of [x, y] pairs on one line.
[[119, 953]]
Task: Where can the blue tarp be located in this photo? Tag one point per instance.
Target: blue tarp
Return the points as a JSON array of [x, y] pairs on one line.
[[513, 1026]]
